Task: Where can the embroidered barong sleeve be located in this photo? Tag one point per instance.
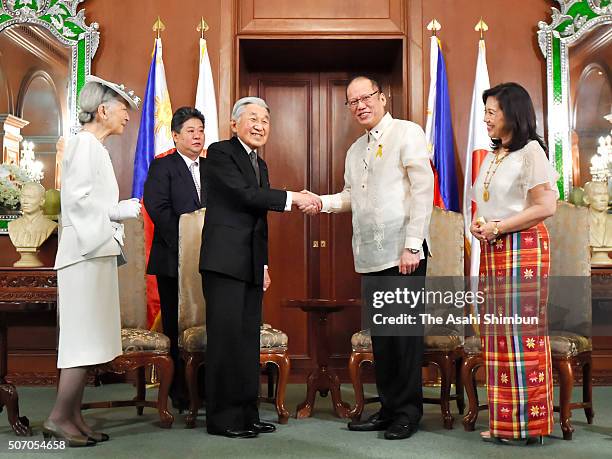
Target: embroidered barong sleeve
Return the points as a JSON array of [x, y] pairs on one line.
[[420, 176], [339, 202]]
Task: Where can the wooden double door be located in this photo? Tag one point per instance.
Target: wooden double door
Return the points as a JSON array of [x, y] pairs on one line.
[[310, 257]]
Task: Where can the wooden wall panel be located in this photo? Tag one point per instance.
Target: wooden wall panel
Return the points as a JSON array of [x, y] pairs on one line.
[[321, 9], [321, 16], [413, 64], [340, 132]]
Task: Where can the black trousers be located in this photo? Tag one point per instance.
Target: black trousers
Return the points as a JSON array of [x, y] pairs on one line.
[[397, 366], [168, 299], [233, 318]]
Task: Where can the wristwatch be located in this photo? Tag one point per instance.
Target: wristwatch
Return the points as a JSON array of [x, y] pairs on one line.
[[413, 251]]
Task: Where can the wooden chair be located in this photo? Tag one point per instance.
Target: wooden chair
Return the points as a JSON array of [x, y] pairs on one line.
[[273, 345], [443, 346], [570, 335], [192, 308], [192, 326], [569, 236], [142, 348]]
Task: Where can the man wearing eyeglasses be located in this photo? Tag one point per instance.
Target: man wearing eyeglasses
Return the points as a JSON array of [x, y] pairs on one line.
[[389, 189]]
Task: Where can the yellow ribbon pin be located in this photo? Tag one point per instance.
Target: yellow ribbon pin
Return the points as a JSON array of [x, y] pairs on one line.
[[379, 151]]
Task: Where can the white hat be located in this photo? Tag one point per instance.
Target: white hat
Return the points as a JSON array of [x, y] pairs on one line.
[[129, 96]]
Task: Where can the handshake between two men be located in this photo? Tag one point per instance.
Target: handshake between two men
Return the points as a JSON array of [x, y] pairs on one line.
[[307, 202]]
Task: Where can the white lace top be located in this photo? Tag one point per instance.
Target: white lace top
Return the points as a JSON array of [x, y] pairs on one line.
[[518, 173]]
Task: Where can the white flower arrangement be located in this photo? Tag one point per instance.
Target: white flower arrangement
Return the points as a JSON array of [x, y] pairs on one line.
[[12, 178]]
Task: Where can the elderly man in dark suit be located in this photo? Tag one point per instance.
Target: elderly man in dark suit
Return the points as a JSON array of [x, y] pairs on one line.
[[233, 262], [174, 187]]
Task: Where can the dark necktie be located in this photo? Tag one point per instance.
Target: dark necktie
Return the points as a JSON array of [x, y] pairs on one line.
[[255, 164]]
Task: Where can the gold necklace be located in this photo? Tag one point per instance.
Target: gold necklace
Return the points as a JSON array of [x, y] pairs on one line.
[[489, 175]]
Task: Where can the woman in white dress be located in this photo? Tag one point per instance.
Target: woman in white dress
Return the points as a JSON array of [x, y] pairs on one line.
[[515, 192], [86, 262]]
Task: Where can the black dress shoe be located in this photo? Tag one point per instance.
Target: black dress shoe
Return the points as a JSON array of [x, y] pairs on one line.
[[374, 422], [399, 431], [263, 427], [231, 433]]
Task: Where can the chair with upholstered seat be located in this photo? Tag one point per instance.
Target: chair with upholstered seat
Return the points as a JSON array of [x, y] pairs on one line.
[[142, 348], [569, 328], [192, 325], [192, 308], [273, 354], [443, 345]]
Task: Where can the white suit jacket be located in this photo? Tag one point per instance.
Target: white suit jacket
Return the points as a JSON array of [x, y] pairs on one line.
[[89, 189]]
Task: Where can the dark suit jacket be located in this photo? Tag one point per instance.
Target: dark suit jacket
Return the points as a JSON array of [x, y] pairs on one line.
[[169, 192], [235, 234]]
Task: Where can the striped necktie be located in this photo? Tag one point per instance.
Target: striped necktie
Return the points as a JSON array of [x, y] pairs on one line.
[[195, 173], [253, 158]]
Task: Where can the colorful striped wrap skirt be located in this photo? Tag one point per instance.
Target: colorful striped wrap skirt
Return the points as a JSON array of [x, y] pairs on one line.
[[514, 276]]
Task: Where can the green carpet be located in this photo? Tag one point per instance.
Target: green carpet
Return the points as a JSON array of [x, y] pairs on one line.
[[321, 436]]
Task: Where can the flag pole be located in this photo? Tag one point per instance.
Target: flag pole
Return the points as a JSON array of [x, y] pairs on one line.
[[433, 27], [202, 27], [158, 27], [477, 148], [205, 100], [481, 27]]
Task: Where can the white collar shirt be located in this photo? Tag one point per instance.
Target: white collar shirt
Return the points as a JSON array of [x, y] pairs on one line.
[[189, 162]]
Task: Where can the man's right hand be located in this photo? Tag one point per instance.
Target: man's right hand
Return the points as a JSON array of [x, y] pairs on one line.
[[307, 202]]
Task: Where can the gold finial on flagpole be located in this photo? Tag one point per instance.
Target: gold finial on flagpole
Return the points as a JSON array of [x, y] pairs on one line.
[[481, 27], [202, 27], [434, 26], [159, 26]]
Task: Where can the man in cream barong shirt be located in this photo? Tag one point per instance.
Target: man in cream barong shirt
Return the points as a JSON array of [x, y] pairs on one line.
[[389, 190]]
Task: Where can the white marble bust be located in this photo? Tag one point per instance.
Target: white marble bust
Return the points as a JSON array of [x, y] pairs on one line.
[[29, 231], [600, 222]]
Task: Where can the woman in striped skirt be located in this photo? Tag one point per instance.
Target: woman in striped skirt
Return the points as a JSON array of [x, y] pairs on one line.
[[514, 192]]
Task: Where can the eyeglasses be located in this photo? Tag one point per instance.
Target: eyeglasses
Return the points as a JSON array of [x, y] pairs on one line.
[[353, 103]]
